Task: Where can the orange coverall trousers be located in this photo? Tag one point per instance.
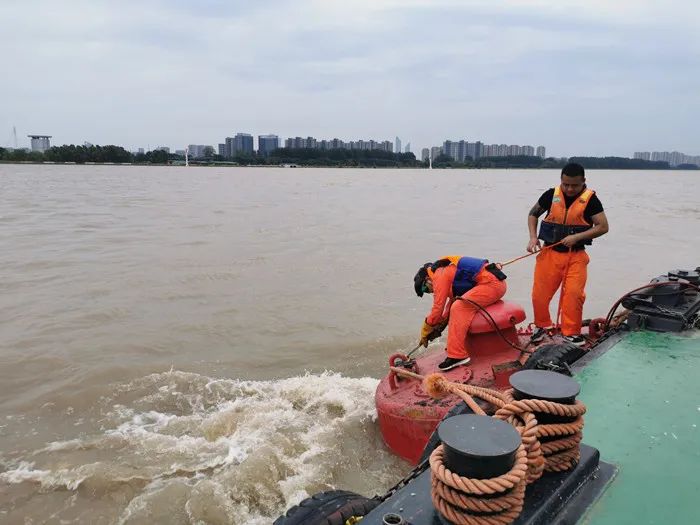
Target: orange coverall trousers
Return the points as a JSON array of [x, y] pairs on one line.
[[569, 270], [487, 291]]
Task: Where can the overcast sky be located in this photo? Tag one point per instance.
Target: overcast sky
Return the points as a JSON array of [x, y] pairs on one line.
[[579, 77]]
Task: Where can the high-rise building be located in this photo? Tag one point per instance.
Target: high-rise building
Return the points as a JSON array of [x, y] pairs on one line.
[[267, 144], [408, 148], [435, 152], [514, 150], [677, 158], [425, 154], [297, 143], [40, 142], [462, 150], [674, 158], [242, 144], [663, 156], [197, 150], [472, 149], [330, 144], [397, 145]]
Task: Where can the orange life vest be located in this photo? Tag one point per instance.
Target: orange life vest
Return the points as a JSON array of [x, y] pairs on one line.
[[562, 221], [465, 277]]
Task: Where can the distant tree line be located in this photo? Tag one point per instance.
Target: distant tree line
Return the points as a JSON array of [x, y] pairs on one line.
[[524, 162], [620, 163], [331, 157], [83, 154], [318, 157]]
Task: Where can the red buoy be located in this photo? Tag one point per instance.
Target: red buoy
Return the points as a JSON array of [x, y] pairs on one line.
[[408, 416]]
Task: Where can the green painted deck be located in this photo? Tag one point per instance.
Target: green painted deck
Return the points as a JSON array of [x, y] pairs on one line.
[[643, 399]]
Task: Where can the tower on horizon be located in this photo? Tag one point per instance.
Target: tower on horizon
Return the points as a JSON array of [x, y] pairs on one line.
[[397, 145]]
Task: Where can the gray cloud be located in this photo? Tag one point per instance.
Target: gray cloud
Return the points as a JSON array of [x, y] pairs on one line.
[[578, 77]]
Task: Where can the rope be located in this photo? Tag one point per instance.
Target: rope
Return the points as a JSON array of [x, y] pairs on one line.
[[501, 265], [466, 501], [553, 447], [561, 449]]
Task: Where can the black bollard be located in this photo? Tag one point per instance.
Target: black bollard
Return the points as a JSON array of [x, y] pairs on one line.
[[479, 447], [543, 384], [550, 386]]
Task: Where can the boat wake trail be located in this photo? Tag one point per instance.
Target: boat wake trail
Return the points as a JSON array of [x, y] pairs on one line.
[[179, 447]]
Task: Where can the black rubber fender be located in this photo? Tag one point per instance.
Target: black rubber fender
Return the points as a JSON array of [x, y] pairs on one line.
[[554, 357], [332, 507]]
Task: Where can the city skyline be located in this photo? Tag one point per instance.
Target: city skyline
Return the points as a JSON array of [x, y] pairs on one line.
[[41, 143], [243, 143], [577, 76]]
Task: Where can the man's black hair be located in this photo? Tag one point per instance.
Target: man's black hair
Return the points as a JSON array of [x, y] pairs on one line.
[[420, 278], [573, 169], [422, 274]]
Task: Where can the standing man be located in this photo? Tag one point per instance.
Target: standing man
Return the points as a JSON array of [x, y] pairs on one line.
[[574, 218]]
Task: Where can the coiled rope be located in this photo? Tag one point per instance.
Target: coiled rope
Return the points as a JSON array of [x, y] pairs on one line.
[[552, 447]]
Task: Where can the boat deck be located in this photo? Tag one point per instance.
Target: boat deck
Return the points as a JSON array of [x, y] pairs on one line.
[[643, 400]]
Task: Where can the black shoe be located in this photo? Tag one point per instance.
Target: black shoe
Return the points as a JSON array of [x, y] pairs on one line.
[[576, 340], [451, 362], [538, 335]]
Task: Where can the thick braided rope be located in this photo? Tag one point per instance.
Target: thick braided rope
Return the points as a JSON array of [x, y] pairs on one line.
[[499, 501], [469, 400], [547, 407], [458, 498], [490, 486], [559, 454], [552, 447], [563, 461], [495, 397], [475, 503], [560, 429], [525, 422], [459, 517]]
